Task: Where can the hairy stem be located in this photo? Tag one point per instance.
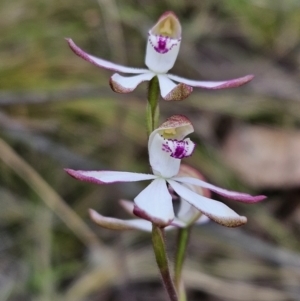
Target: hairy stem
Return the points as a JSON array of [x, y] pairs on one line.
[[162, 261], [152, 105]]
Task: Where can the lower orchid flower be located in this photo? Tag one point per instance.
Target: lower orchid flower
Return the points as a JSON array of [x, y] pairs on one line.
[[164, 40], [167, 145], [185, 216]]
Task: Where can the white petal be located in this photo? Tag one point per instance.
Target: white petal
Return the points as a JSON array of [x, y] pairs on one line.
[[243, 197], [106, 177], [154, 203], [119, 224], [161, 162], [165, 85], [215, 210], [232, 83], [161, 61], [126, 84], [171, 91], [103, 63]]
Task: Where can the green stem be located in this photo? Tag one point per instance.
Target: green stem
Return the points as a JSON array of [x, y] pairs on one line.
[[183, 238], [162, 261], [152, 105]]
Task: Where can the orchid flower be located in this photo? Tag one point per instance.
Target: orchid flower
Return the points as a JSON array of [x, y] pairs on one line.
[[185, 216], [167, 145], [163, 45]]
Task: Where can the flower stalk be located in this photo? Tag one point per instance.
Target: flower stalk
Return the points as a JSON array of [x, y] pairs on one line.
[[162, 261], [152, 113], [182, 241]]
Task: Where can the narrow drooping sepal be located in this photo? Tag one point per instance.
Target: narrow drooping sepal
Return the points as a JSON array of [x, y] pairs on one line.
[[126, 84], [103, 63], [154, 203], [119, 224], [238, 196], [217, 211], [106, 177], [213, 85]]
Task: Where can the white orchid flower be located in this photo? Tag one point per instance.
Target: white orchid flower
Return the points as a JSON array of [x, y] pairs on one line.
[[163, 45], [184, 217], [167, 147]]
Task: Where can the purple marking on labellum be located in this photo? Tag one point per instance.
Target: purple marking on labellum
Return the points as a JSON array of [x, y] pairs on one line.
[[162, 44], [178, 149]]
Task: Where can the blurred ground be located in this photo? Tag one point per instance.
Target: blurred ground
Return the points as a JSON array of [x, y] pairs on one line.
[[58, 111]]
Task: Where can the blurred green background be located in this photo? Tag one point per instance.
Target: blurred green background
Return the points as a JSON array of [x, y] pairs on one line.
[[58, 111]]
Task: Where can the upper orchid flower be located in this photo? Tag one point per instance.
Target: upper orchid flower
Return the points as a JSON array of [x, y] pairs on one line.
[[185, 216], [167, 147], [163, 45]]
